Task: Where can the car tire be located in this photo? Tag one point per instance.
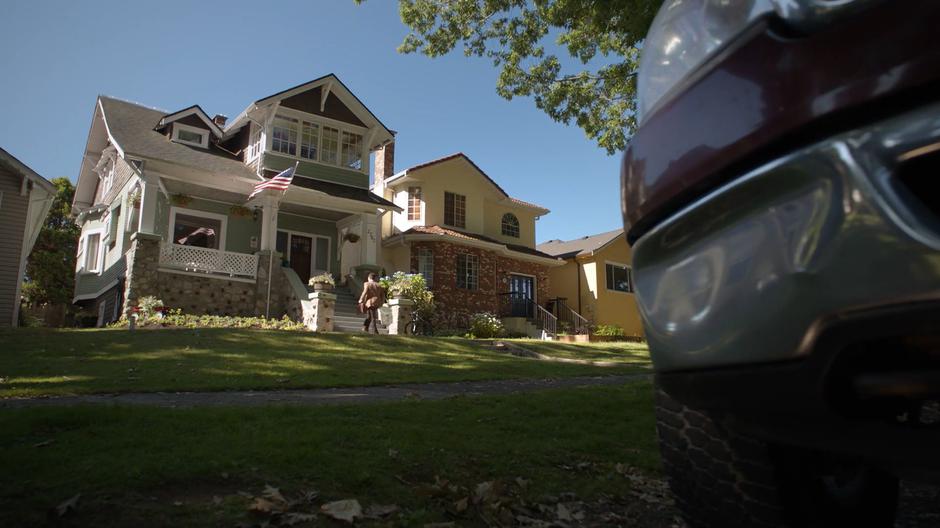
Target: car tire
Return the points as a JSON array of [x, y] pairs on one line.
[[722, 477]]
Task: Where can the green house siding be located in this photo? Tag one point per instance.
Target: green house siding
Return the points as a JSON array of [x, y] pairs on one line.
[[317, 171], [92, 283], [313, 226]]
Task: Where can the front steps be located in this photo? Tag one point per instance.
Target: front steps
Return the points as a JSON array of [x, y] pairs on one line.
[[346, 317]]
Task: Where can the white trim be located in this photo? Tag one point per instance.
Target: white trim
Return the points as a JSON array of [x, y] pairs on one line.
[[177, 127], [206, 275], [500, 248], [202, 214], [199, 112], [102, 291], [107, 129], [320, 121], [629, 269], [313, 239], [84, 254]]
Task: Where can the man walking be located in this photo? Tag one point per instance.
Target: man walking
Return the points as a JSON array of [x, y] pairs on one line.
[[373, 296]]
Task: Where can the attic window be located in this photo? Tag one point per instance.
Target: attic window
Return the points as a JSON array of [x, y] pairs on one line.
[[510, 225], [190, 135]]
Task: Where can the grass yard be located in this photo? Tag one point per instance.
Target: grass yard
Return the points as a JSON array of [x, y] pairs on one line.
[[166, 467], [41, 362], [624, 353]]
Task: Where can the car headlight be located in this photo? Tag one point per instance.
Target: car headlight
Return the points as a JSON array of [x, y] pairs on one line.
[[686, 32]]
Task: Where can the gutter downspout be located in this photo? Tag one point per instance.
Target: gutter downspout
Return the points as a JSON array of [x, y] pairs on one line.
[[577, 267]]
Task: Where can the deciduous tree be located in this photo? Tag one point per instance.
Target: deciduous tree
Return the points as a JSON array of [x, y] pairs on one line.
[[50, 269]]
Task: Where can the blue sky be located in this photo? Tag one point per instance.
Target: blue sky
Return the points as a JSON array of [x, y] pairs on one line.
[[56, 57]]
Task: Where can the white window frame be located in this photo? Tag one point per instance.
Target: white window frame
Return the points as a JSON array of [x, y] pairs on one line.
[[83, 251], [428, 258], [456, 195], [202, 214], [255, 142], [629, 277], [420, 197], [476, 259], [196, 130], [322, 122], [502, 225], [313, 257]]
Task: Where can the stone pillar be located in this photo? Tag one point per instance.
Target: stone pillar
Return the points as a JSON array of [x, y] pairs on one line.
[[320, 316], [269, 209], [401, 315], [150, 190], [143, 259]]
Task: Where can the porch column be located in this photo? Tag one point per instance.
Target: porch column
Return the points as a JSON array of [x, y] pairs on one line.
[[269, 208], [150, 191], [370, 239]]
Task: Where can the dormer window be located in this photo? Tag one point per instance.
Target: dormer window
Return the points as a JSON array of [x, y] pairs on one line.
[[190, 135]]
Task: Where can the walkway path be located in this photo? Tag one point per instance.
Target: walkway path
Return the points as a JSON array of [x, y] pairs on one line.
[[338, 396]]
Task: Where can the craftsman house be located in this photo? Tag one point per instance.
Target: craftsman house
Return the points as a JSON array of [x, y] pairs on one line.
[[473, 243], [162, 199]]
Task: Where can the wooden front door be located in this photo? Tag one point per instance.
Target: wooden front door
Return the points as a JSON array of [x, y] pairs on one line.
[[301, 250], [522, 288]]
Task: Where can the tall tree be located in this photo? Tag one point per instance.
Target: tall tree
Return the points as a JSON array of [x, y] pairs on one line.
[[50, 269], [601, 35]]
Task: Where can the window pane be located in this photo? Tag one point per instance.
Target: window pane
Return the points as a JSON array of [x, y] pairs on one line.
[[352, 150], [284, 135], [281, 244], [309, 139], [468, 270], [510, 225], [455, 209], [426, 266], [189, 136], [414, 203], [197, 231], [323, 254], [91, 252], [330, 145], [618, 278]]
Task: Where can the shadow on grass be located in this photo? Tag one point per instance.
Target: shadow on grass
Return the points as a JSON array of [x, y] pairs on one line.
[[57, 362]]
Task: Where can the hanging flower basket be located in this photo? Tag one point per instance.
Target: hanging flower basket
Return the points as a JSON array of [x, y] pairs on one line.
[[351, 237]]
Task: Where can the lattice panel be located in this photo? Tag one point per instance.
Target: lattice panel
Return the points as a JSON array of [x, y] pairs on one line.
[[192, 258]]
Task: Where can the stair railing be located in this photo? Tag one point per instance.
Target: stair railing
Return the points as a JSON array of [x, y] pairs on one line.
[[514, 304]]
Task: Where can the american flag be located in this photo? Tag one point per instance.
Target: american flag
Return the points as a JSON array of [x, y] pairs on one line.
[[279, 183]]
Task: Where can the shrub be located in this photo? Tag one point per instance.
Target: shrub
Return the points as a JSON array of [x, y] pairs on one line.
[[177, 319], [323, 278], [485, 325], [149, 306], [609, 331], [411, 286]]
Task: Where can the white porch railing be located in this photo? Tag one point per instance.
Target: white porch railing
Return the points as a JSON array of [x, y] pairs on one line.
[[211, 261]]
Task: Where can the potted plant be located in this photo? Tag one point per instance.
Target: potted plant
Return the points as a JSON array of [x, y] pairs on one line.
[[134, 198], [351, 237], [181, 200], [322, 282], [241, 211]]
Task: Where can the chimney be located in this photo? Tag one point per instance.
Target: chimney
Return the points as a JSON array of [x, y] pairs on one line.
[[220, 120], [384, 163]]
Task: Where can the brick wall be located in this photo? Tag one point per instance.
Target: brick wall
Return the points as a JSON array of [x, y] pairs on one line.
[[455, 305]]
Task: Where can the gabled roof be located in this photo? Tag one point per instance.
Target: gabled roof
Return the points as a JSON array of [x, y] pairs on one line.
[[580, 246], [336, 86], [191, 110], [18, 166], [464, 157], [132, 127], [463, 235]]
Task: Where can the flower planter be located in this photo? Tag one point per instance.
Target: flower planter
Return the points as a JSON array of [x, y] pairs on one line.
[[322, 286]]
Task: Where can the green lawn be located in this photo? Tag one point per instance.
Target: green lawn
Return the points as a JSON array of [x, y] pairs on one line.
[[166, 467], [624, 353], [36, 362]]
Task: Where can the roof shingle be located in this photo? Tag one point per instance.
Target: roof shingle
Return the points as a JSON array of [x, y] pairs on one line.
[[579, 246]]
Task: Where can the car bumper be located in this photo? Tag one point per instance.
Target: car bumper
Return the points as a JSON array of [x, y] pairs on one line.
[[752, 272]]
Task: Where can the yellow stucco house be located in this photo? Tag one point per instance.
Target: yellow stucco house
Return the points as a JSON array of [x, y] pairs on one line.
[[596, 280]]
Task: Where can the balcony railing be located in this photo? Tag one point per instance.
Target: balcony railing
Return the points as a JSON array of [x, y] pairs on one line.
[[209, 261]]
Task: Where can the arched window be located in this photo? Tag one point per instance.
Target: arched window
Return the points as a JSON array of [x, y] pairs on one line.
[[510, 225]]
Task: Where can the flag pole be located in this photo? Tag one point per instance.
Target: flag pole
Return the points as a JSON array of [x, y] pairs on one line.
[[267, 303]]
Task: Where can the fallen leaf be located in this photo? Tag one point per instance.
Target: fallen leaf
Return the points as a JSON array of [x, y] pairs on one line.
[[377, 511], [262, 505], [461, 505], [483, 492], [44, 443], [344, 510], [522, 483], [177, 503], [216, 500], [274, 494], [562, 512], [69, 505], [291, 519], [393, 453]]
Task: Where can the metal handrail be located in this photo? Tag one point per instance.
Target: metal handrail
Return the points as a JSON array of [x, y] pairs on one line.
[[574, 321], [542, 318]]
